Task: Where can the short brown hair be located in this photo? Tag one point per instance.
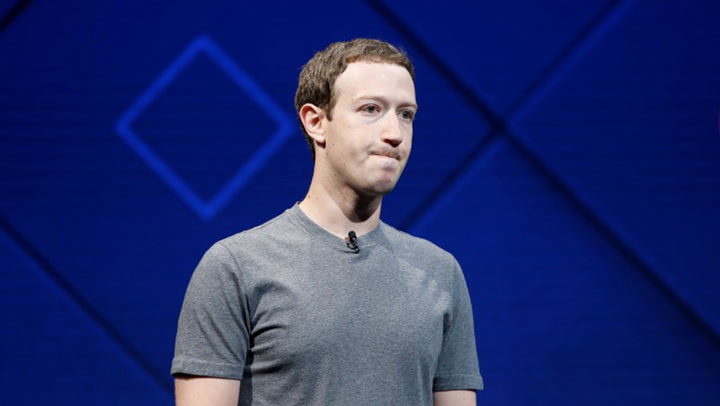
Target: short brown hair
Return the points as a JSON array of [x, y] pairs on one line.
[[317, 78]]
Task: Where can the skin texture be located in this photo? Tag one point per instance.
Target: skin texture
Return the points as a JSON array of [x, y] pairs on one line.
[[454, 398], [204, 391], [359, 157]]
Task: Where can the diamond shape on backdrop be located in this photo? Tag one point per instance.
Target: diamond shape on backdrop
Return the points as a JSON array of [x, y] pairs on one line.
[[205, 203]]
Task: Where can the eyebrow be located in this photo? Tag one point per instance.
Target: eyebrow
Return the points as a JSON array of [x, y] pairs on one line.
[[384, 99]]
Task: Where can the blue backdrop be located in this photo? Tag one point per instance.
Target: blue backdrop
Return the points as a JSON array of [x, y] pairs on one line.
[[567, 152]]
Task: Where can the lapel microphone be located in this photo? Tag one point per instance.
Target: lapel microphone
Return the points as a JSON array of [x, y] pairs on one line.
[[351, 242]]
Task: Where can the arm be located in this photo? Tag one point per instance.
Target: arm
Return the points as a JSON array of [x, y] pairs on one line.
[[457, 376], [211, 341], [454, 398], [202, 391]]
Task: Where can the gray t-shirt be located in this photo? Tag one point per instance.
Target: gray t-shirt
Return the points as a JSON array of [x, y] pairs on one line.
[[304, 320]]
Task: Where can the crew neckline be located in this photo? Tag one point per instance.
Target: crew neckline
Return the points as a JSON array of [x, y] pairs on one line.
[[299, 218]]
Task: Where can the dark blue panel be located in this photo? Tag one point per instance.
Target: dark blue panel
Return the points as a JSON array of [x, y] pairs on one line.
[[560, 316], [6, 6], [634, 129], [11, 10], [498, 48], [52, 353]]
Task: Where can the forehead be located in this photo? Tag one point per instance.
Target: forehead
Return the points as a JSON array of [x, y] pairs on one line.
[[372, 78]]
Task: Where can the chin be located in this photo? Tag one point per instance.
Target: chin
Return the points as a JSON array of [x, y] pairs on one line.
[[379, 187], [383, 189]]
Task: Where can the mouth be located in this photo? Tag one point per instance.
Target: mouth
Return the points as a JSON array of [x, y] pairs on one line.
[[387, 154]]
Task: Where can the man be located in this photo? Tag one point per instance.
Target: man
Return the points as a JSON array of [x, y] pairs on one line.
[[326, 304]]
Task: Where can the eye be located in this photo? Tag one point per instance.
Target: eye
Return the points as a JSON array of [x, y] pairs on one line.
[[370, 108], [407, 115]]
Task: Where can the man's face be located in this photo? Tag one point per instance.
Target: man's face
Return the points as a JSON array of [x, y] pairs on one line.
[[369, 138]]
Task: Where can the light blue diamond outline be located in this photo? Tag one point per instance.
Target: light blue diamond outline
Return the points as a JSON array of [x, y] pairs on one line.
[[205, 209]]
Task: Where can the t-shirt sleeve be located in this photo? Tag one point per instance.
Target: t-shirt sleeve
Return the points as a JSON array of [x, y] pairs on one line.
[[213, 333], [458, 363]]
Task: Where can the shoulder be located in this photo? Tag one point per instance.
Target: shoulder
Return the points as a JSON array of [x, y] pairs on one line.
[[249, 246], [415, 249], [272, 231]]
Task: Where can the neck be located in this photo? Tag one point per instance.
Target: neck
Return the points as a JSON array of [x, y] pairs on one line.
[[340, 211]]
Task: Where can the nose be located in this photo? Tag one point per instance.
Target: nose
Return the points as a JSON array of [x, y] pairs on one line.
[[392, 133]]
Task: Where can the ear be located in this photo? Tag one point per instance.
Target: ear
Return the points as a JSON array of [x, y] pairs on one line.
[[313, 119]]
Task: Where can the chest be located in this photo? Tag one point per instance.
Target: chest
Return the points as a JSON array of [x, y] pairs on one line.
[[360, 315]]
